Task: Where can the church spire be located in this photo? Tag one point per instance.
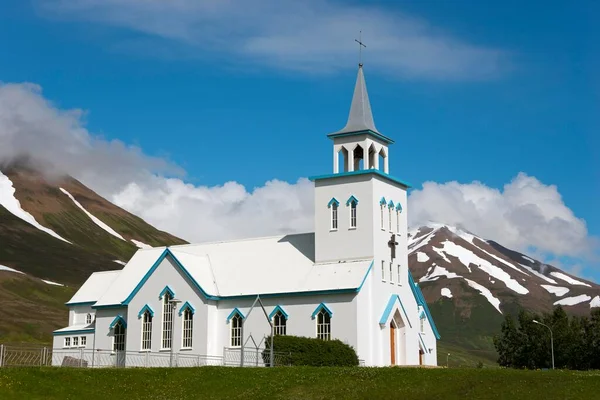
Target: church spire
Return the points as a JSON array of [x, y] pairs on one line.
[[360, 117]]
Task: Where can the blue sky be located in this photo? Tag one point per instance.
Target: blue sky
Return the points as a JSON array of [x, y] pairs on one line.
[[479, 92]]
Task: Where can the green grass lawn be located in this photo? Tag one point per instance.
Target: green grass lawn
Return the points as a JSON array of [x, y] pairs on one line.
[[295, 383]]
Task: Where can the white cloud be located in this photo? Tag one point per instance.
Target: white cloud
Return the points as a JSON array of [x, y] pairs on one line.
[[525, 214], [314, 36]]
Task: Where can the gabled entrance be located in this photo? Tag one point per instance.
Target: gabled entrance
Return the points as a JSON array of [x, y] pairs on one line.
[[393, 342]]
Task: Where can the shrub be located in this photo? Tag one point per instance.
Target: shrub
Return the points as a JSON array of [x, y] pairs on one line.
[[297, 350]]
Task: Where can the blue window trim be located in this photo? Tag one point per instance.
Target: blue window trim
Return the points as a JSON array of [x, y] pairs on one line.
[[398, 207], [144, 309], [332, 202], [320, 307], [116, 320], [278, 308], [388, 310], [351, 199], [383, 201], [377, 172], [421, 301], [74, 332], [164, 291], [378, 135], [187, 305], [207, 296], [232, 313], [391, 204]]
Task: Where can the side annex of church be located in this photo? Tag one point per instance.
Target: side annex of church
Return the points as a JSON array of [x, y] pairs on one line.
[[347, 280]]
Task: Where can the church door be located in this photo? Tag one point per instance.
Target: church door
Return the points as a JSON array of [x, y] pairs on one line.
[[393, 342], [420, 357]]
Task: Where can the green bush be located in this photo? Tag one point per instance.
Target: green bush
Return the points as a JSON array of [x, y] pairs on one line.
[[297, 350]]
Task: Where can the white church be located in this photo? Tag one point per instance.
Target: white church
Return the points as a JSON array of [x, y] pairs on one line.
[[347, 280]]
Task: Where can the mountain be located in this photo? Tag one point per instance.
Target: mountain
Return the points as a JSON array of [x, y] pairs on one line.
[[54, 232], [471, 283]]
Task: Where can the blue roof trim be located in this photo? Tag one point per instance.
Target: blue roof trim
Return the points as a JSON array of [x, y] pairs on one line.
[[80, 303], [421, 301], [178, 264], [116, 320], [166, 290], [332, 202], [186, 305], [398, 207], [383, 201], [144, 309], [235, 311], [351, 199], [391, 204], [423, 342], [278, 308], [75, 331], [363, 172], [320, 307], [378, 135], [388, 310]]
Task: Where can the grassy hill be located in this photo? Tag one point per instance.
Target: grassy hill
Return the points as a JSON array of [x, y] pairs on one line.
[[296, 383]]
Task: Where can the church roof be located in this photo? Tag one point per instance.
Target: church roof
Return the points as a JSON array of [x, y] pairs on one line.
[[94, 287], [280, 265], [360, 117]]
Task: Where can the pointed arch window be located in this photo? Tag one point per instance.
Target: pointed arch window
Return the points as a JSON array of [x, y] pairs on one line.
[[322, 315], [118, 327], [236, 319], [279, 319], [88, 319], [167, 320], [334, 206], [147, 317], [398, 211], [382, 204], [188, 328]]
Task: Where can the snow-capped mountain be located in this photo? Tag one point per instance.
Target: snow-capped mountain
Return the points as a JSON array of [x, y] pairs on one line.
[[446, 261]]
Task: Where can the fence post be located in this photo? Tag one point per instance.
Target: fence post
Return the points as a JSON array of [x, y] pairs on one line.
[[80, 358], [1, 355]]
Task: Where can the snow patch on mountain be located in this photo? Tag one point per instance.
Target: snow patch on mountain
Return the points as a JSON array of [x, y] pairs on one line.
[[568, 279], [438, 272], [120, 262], [422, 257], [467, 257], [9, 201], [559, 291], [92, 217], [539, 275], [528, 259], [486, 293], [9, 269], [501, 260], [52, 283], [571, 301], [446, 293], [595, 302], [141, 245]]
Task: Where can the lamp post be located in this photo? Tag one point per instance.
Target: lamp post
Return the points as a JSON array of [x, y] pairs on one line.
[[173, 303], [551, 339], [447, 356]]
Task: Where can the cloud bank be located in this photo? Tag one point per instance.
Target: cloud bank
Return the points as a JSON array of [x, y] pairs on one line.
[[525, 214], [314, 36]]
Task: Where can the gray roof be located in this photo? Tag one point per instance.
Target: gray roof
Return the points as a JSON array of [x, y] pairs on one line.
[[361, 117]]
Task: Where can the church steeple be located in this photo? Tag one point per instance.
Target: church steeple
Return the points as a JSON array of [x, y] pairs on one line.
[[361, 116]]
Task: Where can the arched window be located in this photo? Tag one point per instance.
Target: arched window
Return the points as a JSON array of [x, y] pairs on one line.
[[236, 330], [167, 321], [147, 330], [119, 336], [279, 323], [334, 216], [88, 319], [188, 327], [390, 218], [323, 325], [353, 214]]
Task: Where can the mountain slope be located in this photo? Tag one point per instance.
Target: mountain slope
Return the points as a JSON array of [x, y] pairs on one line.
[[59, 231], [471, 283]]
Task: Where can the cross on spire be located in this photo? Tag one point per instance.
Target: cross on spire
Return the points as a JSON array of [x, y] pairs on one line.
[[360, 46], [392, 244]]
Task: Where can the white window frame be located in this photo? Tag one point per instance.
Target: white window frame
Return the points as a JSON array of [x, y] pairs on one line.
[[75, 341], [67, 342], [187, 329], [235, 332], [324, 326], [166, 341], [83, 341], [334, 217], [353, 214], [279, 324], [147, 320], [382, 270], [88, 319]]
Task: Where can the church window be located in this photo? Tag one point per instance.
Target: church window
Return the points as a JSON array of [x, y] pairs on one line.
[[390, 219], [83, 341], [167, 325], [353, 214], [382, 271], [382, 223], [88, 319], [188, 327], [399, 275], [76, 341], [391, 273], [147, 330], [323, 325], [334, 217], [236, 330], [119, 336], [67, 342], [279, 323], [397, 221]]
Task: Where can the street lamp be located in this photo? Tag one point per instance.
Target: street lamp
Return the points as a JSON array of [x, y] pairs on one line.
[[551, 339], [173, 303], [448, 356]]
